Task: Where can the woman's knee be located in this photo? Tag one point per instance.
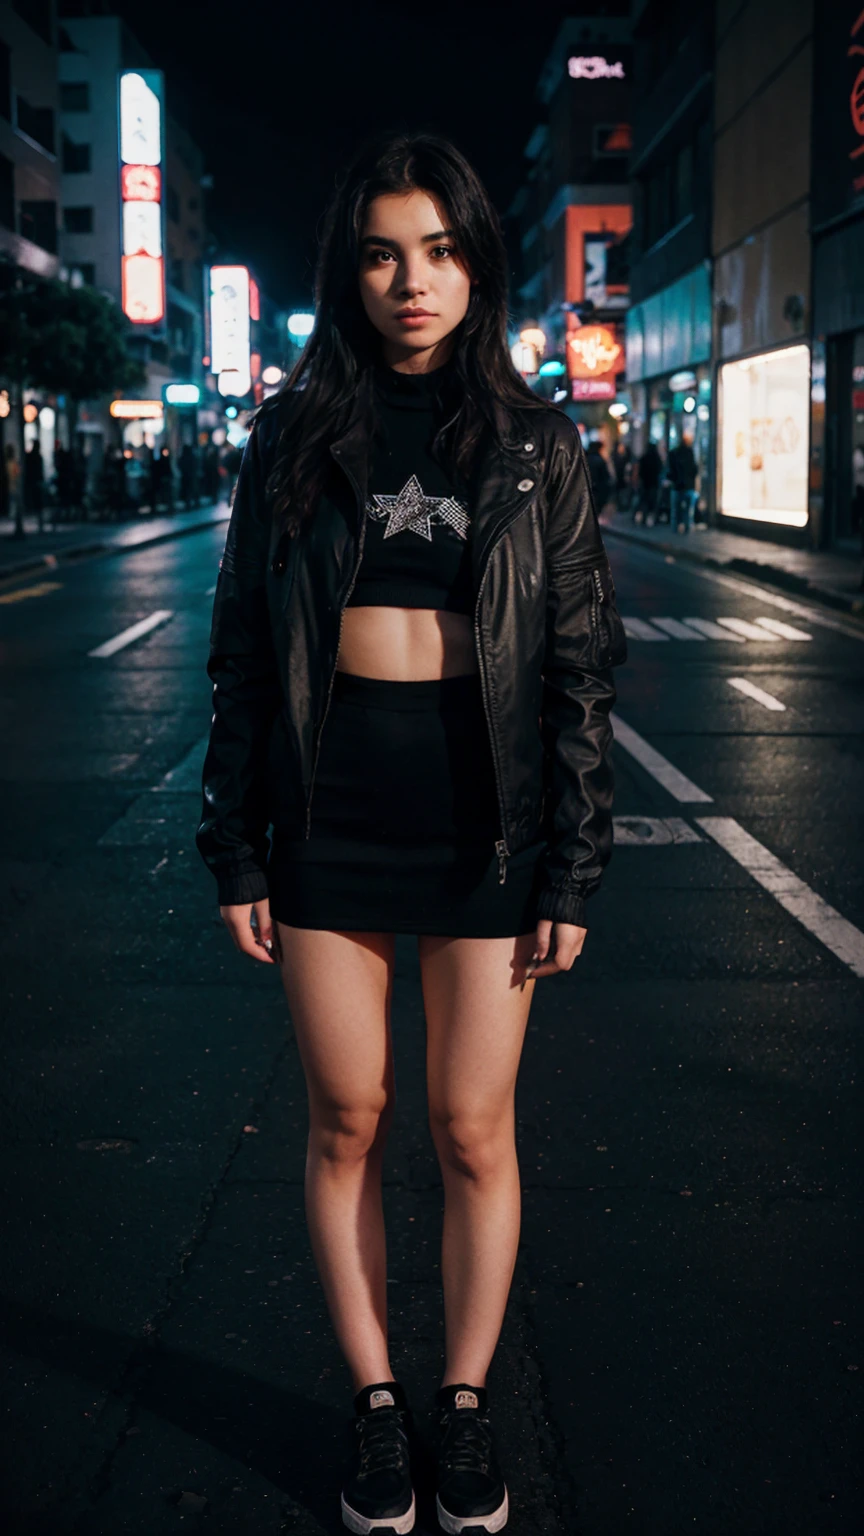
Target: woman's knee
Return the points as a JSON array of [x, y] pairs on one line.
[[349, 1134], [475, 1145]]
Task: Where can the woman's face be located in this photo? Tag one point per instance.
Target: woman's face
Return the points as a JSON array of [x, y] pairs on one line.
[[413, 284]]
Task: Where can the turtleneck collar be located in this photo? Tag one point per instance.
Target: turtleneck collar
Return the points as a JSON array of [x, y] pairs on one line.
[[413, 391]]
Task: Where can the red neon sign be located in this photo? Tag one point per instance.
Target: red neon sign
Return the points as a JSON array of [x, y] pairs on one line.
[[140, 183]]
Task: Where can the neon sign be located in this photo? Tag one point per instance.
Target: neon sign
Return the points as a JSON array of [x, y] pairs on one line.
[[594, 67], [230, 329], [143, 286], [593, 351]]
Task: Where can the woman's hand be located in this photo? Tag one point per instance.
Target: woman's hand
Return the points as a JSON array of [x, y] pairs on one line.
[[568, 944], [256, 941]]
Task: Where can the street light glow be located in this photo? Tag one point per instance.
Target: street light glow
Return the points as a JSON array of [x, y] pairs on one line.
[[301, 324]]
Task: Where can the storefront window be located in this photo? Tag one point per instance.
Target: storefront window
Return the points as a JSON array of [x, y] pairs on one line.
[[764, 425]]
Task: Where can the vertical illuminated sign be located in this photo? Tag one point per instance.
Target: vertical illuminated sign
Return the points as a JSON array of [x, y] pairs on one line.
[[231, 296], [141, 158]]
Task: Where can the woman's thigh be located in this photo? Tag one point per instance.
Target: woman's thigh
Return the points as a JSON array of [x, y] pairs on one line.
[[476, 1017], [339, 988]]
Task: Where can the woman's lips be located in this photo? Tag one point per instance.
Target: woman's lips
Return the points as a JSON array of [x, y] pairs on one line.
[[415, 320]]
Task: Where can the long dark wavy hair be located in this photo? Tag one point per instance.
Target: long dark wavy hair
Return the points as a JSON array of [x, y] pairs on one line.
[[332, 378]]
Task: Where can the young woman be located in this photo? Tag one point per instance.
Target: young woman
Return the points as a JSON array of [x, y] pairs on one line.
[[412, 639]]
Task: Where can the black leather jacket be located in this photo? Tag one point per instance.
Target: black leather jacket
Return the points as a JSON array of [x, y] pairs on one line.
[[546, 631]]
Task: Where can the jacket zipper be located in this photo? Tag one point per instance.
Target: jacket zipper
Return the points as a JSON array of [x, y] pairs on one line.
[[354, 575], [501, 848]]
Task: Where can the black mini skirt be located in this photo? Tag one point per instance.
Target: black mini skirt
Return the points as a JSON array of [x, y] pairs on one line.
[[404, 820]]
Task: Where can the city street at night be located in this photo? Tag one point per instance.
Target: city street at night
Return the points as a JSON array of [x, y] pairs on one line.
[[681, 1343], [431, 472]]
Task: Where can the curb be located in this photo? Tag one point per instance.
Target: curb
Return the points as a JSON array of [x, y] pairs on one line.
[[775, 575], [51, 562]]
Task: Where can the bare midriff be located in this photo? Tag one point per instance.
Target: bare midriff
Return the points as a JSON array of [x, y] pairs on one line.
[[406, 645]]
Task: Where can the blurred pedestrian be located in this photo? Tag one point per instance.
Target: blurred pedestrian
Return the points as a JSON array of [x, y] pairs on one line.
[[189, 475], [64, 482], [34, 482], [211, 472], [622, 467], [598, 473], [683, 472], [650, 473], [13, 484]]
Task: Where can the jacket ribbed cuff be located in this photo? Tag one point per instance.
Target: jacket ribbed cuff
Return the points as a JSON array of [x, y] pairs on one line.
[[561, 905], [238, 889]]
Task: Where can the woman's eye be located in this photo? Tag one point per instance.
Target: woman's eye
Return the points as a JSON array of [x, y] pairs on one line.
[[447, 249]]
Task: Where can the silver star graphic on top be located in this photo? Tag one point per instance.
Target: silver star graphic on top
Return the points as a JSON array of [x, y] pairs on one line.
[[414, 511]]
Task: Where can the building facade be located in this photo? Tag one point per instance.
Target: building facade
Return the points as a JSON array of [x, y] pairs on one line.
[[572, 219], [669, 370], [761, 247], [837, 217], [29, 191], [95, 51]]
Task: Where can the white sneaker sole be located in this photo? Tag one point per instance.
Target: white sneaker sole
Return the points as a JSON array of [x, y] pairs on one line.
[[401, 1524], [455, 1524]]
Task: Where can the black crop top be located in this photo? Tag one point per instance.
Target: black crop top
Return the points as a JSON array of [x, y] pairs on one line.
[[416, 552]]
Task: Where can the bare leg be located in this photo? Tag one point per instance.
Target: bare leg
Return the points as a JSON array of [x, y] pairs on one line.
[[339, 987], [476, 1018]]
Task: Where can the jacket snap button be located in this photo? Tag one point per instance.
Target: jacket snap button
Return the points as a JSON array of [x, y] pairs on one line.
[[529, 447], [524, 485], [277, 567]]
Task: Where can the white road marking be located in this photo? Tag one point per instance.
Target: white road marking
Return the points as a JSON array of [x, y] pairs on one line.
[[41, 589], [658, 766], [675, 629], [652, 831], [134, 632], [744, 685], [749, 631], [713, 631], [821, 620], [785, 631], [638, 629], [823, 921], [211, 591]]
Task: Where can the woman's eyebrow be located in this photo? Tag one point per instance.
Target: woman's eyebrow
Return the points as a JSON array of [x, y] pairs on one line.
[[440, 234]]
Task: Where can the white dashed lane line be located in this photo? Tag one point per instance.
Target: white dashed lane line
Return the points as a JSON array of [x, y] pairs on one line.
[[744, 685], [844, 940], [133, 633], [712, 631]]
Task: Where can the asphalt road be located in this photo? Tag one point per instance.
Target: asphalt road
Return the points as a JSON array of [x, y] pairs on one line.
[[680, 1352]]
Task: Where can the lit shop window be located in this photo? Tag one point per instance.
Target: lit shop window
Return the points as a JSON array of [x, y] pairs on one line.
[[764, 437]]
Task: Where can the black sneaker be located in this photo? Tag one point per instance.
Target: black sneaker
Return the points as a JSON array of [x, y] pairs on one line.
[[378, 1495], [471, 1491]]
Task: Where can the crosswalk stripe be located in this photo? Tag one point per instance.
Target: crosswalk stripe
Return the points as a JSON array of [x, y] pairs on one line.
[[713, 631], [744, 685], [638, 629], [749, 631], [786, 631], [676, 630], [826, 924]]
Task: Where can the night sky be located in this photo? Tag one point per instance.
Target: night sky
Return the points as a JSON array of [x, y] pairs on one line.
[[278, 94]]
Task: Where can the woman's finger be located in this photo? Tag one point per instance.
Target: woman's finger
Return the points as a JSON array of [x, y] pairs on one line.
[[238, 922]]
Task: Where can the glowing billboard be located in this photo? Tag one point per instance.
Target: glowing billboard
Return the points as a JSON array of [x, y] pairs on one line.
[[141, 154], [764, 437], [230, 329]]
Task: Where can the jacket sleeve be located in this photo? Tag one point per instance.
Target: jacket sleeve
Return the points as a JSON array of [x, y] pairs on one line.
[[584, 641], [232, 837]]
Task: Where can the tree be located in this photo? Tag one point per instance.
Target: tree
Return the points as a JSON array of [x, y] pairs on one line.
[[70, 341]]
